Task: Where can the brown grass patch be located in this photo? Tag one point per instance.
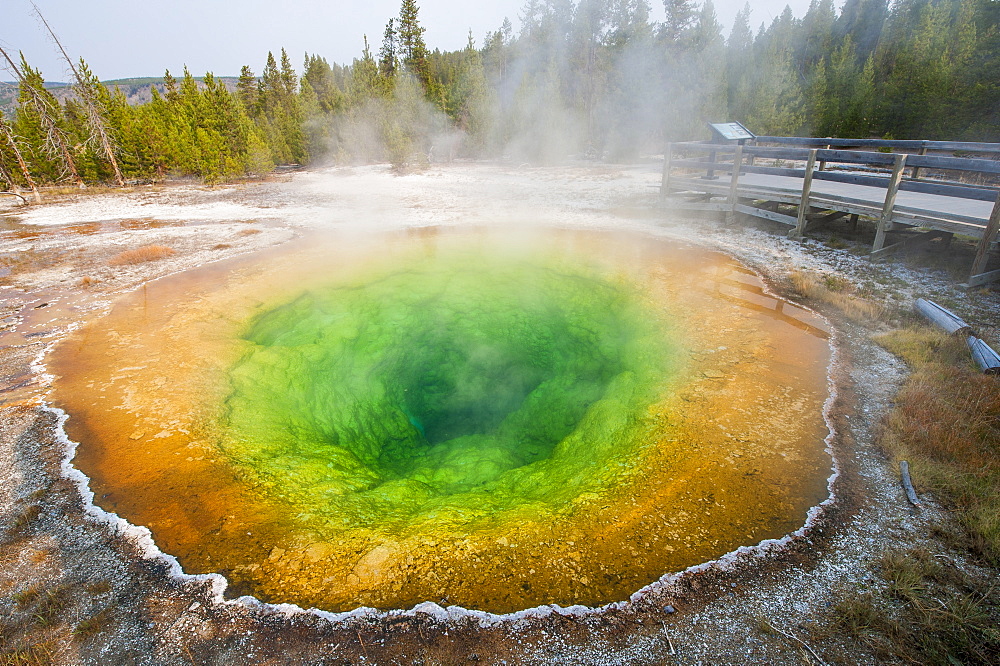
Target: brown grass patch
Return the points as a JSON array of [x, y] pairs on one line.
[[930, 613], [947, 424], [34, 655], [141, 255], [838, 292], [26, 516], [249, 232], [92, 625]]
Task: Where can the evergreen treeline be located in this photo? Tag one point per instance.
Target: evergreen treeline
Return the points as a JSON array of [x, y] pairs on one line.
[[590, 76]]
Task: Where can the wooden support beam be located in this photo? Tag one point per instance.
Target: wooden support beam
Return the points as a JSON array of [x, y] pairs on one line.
[[823, 218], [774, 216], [668, 153], [854, 221], [885, 221], [989, 235], [913, 241], [807, 180], [734, 184], [981, 279], [720, 206]]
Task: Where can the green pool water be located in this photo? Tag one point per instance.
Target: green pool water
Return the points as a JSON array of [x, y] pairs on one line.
[[458, 381]]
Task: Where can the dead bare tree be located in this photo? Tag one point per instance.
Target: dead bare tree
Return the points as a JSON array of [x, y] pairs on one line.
[[56, 141], [8, 136], [84, 89]]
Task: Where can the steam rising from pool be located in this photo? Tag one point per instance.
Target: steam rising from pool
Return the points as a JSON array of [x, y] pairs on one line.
[[481, 417]]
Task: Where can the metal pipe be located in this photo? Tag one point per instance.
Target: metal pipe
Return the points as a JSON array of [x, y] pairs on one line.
[[984, 356], [942, 317]]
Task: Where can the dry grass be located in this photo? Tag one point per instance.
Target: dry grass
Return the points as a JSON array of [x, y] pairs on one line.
[[29, 261], [249, 232], [838, 292], [947, 424], [88, 281], [24, 598], [92, 625], [26, 516], [35, 655], [141, 255], [929, 613]]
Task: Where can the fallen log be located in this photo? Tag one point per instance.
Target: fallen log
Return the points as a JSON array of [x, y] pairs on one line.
[[18, 195], [904, 473]]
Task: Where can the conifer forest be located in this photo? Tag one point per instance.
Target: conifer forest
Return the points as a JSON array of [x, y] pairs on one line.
[[586, 78]]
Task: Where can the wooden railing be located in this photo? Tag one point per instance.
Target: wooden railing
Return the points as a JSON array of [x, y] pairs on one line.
[[973, 178], [832, 150]]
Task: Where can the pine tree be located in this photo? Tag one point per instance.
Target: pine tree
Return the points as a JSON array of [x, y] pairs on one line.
[[38, 101], [588, 37], [170, 86], [288, 77], [7, 136], [89, 89], [475, 103], [680, 16], [364, 82], [412, 49], [629, 24], [739, 65], [863, 21], [322, 78], [246, 90], [817, 32], [280, 115], [388, 60]]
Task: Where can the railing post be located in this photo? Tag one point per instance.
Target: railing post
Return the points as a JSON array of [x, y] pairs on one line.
[[665, 180], [915, 173], [989, 235], [807, 180], [711, 172], [734, 184], [885, 221]]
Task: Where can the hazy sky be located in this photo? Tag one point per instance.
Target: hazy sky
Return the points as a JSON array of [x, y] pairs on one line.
[[125, 38]]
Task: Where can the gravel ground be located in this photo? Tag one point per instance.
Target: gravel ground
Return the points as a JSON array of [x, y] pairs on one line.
[[79, 587]]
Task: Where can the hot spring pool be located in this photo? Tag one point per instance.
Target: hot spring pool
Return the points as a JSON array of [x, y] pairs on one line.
[[492, 418]]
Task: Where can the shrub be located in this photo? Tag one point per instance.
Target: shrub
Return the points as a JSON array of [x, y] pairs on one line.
[[142, 255]]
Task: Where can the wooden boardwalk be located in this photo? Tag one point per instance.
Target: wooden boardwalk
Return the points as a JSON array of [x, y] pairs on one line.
[[907, 211]]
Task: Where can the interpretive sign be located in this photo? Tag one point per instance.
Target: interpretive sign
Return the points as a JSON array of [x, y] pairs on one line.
[[732, 131]]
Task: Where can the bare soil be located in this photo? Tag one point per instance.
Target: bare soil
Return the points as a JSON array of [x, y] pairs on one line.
[[75, 589]]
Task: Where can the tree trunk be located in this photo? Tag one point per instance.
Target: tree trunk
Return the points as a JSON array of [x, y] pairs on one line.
[[20, 161], [93, 114]]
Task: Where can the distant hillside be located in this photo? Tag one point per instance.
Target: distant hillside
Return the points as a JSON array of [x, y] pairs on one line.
[[8, 93], [137, 90]]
